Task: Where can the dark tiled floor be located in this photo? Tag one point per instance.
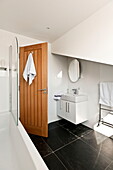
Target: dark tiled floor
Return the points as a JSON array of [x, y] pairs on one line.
[[110, 167], [79, 156], [57, 124], [78, 130], [58, 137], [74, 147], [53, 162], [41, 146], [100, 143]]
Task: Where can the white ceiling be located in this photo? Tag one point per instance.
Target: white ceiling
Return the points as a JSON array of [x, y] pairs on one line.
[[32, 17]]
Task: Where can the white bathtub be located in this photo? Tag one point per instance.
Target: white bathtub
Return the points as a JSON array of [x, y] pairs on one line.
[[17, 152]]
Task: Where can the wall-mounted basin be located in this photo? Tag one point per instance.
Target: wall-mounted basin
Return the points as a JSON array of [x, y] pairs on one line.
[[74, 97]]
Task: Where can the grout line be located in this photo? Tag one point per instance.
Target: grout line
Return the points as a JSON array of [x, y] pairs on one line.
[[108, 165], [97, 157], [48, 146], [74, 134], [62, 126], [60, 147], [87, 133], [71, 132], [60, 161], [47, 154], [65, 145], [96, 149], [88, 144], [78, 137]]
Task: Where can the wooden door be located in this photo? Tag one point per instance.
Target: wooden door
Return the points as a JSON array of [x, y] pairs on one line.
[[34, 97]]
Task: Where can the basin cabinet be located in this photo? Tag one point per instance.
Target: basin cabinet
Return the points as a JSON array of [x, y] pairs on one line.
[[75, 112]]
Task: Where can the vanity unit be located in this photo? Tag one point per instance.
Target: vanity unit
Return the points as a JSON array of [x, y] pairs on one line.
[[73, 108]]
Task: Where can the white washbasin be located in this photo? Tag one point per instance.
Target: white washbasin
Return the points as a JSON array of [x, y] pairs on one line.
[[74, 97]]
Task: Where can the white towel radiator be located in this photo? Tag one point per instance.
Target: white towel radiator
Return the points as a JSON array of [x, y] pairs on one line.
[[100, 116]]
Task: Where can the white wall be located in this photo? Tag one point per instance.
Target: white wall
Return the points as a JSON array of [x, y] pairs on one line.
[[90, 40], [91, 75], [56, 85]]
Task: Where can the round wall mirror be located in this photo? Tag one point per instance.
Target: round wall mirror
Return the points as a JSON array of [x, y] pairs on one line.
[[74, 70]]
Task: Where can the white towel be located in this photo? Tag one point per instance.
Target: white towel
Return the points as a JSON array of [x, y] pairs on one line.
[[57, 98], [106, 94], [29, 71]]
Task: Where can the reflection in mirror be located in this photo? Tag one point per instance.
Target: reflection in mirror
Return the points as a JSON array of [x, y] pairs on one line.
[[74, 70]]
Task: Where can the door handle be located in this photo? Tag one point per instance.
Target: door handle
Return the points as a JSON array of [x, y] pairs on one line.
[[44, 92], [42, 89]]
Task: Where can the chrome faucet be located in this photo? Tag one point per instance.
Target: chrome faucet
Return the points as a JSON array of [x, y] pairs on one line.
[[75, 91]]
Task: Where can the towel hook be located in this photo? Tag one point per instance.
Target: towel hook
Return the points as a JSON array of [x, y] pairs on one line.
[[31, 52]]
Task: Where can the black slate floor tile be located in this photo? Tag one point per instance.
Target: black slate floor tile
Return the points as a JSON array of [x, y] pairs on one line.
[[58, 123], [93, 151], [101, 143], [80, 156], [63, 122], [58, 137], [53, 125], [94, 139], [41, 146], [110, 167], [79, 130], [53, 162]]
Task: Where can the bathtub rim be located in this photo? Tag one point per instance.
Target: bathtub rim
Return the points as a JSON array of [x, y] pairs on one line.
[[34, 154]]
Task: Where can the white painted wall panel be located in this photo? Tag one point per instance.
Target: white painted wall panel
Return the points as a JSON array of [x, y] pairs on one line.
[[56, 85], [91, 40]]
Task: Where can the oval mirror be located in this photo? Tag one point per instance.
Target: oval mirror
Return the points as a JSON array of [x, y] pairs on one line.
[[74, 70]]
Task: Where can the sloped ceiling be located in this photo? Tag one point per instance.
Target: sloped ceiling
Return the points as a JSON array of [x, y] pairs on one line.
[[45, 19]]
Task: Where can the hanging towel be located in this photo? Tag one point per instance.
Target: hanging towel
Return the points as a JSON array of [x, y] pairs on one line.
[[106, 94], [29, 71], [57, 97]]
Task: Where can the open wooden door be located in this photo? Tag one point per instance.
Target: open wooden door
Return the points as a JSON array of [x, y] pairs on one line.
[[34, 97]]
